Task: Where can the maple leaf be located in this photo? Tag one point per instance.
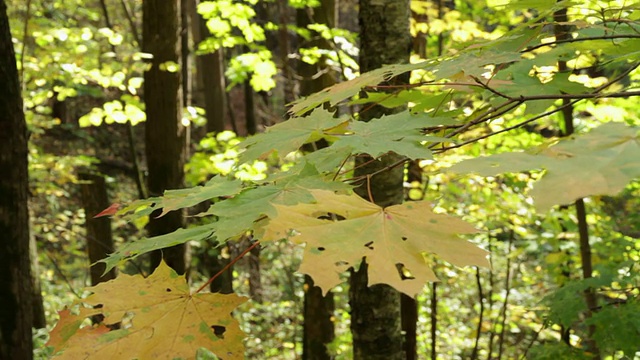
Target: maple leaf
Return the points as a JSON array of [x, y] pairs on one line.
[[394, 240], [111, 210], [348, 89], [160, 319], [601, 162], [239, 214], [289, 135], [400, 133], [171, 200], [132, 249]]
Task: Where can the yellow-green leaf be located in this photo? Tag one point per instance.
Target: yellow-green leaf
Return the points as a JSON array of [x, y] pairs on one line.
[[158, 317], [394, 240]]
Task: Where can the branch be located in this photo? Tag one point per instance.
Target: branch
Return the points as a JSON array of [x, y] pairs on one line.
[[230, 264], [578, 39]]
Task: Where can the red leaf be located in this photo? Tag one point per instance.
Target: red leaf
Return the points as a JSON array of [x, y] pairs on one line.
[[111, 210]]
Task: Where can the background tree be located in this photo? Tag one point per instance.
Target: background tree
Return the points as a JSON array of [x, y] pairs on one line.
[[16, 308], [375, 310], [318, 308], [165, 135]]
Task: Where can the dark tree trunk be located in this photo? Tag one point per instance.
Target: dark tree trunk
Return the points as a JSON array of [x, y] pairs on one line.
[[16, 308], [318, 328], [165, 136], [214, 262], [99, 236], [255, 277], [409, 310], [211, 81], [186, 52], [39, 319], [251, 122], [375, 310]]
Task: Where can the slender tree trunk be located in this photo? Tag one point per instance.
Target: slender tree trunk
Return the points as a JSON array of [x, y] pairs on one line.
[[185, 52], [255, 277], [562, 32], [16, 308], [318, 327], [251, 122], [165, 136], [39, 319], [375, 310], [211, 92], [99, 236]]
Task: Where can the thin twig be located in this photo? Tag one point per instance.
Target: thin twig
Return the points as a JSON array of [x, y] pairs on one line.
[[474, 353], [579, 39], [64, 277], [342, 164], [132, 23], [505, 303], [230, 264], [369, 188]]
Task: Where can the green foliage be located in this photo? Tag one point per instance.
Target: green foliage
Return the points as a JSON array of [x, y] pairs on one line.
[[601, 162], [496, 90]]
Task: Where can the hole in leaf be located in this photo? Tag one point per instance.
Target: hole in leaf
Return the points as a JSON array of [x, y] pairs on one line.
[[218, 331], [321, 248], [404, 238], [168, 290], [404, 273], [331, 216]]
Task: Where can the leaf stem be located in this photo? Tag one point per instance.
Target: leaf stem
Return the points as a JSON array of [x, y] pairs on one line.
[[230, 264]]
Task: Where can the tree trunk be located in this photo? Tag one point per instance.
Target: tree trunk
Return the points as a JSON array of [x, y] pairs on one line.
[[165, 136], [319, 330], [318, 327], [99, 237], [39, 319], [210, 79], [214, 262], [375, 310], [16, 308], [251, 122]]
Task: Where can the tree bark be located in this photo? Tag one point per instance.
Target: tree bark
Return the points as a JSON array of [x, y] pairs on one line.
[[99, 236], [39, 319], [16, 308], [210, 78], [165, 136], [318, 327], [375, 310]]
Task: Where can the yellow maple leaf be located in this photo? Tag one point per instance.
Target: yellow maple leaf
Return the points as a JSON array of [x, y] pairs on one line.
[[159, 319], [394, 240]]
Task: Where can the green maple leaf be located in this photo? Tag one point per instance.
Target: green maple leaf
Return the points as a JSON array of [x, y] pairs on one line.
[[400, 133], [601, 162], [182, 198], [394, 240], [348, 89], [328, 159], [239, 214], [133, 249], [289, 135], [161, 319]]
